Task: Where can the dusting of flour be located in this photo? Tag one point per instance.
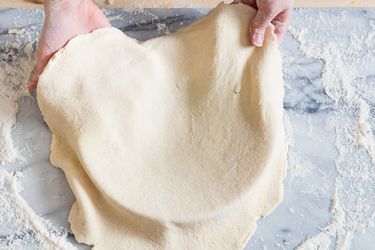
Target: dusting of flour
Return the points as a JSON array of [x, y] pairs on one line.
[[9, 94], [24, 228], [20, 226], [353, 203]]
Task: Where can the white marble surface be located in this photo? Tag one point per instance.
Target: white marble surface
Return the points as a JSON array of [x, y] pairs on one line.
[[316, 161]]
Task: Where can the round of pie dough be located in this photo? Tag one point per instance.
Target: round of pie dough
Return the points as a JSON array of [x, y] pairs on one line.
[[165, 141]]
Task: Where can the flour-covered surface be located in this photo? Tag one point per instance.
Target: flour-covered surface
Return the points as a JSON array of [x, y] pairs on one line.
[[329, 116], [329, 69]]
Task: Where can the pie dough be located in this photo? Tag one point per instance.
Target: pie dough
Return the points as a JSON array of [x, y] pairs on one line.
[[172, 143]]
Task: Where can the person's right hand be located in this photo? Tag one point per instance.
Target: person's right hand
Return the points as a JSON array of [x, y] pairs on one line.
[[277, 12], [64, 19]]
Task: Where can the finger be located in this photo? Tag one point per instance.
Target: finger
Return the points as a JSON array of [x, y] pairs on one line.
[[281, 23], [42, 61], [259, 24], [30, 81], [31, 84]]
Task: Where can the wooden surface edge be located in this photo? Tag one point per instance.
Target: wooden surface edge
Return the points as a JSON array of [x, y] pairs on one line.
[[192, 3]]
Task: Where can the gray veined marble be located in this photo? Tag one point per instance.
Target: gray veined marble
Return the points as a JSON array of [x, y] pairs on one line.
[[308, 109]]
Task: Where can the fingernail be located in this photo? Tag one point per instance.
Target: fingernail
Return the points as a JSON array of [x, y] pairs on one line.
[[257, 39]]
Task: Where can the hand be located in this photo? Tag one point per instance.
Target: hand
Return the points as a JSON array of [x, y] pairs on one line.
[[64, 19], [277, 12]]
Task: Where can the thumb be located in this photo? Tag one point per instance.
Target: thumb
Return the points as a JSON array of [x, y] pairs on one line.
[[42, 61], [259, 24]]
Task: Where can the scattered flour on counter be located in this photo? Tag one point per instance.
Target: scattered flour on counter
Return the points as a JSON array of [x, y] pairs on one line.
[[8, 111], [353, 203], [24, 228], [20, 226], [12, 81], [162, 27], [143, 13], [16, 31]]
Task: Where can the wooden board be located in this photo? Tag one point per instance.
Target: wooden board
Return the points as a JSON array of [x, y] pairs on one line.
[[188, 3]]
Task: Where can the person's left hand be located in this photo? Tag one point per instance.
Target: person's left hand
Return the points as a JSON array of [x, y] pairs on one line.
[[64, 19]]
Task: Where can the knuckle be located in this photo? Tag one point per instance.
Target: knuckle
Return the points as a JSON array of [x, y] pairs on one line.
[[257, 26], [269, 9]]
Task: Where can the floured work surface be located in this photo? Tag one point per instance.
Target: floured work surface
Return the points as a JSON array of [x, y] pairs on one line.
[[172, 143]]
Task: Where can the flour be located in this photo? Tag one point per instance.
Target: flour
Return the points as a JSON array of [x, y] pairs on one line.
[[12, 81], [138, 16], [16, 31], [27, 228], [20, 226], [162, 27], [8, 152], [353, 206]]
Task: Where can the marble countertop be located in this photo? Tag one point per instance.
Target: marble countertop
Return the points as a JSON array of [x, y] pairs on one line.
[[329, 72]]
